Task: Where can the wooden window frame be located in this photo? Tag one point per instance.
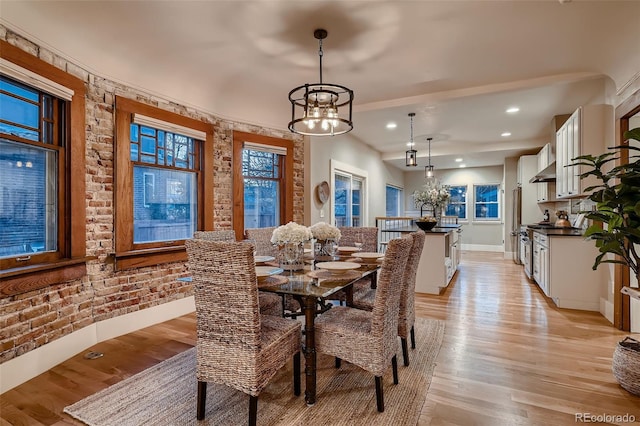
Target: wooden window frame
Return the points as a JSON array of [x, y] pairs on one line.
[[72, 262], [286, 200], [126, 256]]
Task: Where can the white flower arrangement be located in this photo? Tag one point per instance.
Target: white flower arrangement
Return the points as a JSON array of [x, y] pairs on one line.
[[290, 233], [433, 194], [324, 231]]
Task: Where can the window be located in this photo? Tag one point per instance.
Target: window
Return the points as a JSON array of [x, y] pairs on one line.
[[161, 183], [458, 202], [263, 180], [42, 208], [262, 173], [486, 201], [348, 195], [394, 201]]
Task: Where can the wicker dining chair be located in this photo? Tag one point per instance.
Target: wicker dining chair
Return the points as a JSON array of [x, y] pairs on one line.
[[236, 346], [262, 239], [217, 235], [406, 313], [369, 339], [270, 303], [349, 235]]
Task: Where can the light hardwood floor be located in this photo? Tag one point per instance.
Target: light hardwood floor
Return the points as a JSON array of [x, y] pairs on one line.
[[509, 357]]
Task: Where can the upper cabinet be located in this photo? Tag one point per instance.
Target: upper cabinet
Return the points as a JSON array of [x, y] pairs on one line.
[[546, 174], [587, 131]]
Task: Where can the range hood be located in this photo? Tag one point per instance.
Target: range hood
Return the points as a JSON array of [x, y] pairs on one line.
[[546, 175]]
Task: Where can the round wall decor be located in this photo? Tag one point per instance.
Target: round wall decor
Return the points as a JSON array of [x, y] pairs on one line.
[[323, 192]]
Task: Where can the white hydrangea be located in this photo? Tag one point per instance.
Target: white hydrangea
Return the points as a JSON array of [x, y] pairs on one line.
[[324, 231], [291, 233]]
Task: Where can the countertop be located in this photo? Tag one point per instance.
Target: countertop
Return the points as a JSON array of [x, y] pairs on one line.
[[559, 232], [436, 230]]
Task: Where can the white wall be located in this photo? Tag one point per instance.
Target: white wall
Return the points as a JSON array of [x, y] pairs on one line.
[[319, 151], [476, 235]]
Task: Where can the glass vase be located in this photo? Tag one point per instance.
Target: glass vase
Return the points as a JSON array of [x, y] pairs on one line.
[[325, 248], [291, 256]]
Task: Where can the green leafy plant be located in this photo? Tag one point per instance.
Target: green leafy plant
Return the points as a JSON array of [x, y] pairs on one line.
[[617, 205]]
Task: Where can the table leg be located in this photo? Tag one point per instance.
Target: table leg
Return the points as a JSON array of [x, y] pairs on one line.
[[309, 350]]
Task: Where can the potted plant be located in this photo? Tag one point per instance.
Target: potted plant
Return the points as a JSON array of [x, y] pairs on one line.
[[617, 208]]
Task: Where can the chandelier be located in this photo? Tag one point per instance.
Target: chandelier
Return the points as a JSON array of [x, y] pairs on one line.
[[429, 174], [321, 109], [411, 154]]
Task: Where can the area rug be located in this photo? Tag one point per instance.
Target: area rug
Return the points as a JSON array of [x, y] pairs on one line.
[[166, 394]]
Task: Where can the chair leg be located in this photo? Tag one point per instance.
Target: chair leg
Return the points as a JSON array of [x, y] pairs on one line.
[[394, 365], [379, 394], [202, 400], [338, 362], [296, 374], [405, 351], [413, 338], [253, 410]]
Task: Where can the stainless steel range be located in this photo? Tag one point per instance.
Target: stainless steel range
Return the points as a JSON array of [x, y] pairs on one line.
[[526, 252]]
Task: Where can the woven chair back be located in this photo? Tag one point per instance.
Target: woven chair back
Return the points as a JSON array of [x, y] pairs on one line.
[[226, 296], [262, 239], [367, 235], [219, 235], [407, 314], [384, 318]]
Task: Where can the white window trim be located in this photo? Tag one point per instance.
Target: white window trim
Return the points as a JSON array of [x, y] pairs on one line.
[[338, 166], [466, 204], [496, 220], [143, 120], [273, 149], [35, 80]]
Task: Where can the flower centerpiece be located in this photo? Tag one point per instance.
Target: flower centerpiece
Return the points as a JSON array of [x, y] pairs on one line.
[[327, 237], [433, 196], [290, 239]]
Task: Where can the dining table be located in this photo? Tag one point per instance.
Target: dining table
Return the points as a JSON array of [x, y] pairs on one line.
[[311, 286]]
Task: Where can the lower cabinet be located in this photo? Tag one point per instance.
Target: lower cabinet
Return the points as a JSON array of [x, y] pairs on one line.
[[565, 274], [439, 261]]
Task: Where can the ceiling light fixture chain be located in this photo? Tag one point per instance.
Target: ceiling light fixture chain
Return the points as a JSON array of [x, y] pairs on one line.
[[321, 109]]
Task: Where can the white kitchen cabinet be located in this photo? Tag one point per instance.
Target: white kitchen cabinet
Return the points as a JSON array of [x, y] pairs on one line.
[[564, 271], [438, 262], [545, 191], [589, 130]]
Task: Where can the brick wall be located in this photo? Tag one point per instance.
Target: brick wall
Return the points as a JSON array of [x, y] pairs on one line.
[[33, 319]]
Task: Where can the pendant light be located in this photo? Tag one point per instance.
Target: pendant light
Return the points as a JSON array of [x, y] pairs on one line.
[[429, 174], [321, 109], [411, 156]]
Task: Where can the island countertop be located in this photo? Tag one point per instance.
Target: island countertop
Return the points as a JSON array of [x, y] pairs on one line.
[[443, 229]]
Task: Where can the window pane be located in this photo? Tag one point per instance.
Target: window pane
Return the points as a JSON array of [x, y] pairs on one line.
[[393, 201], [487, 204], [262, 181], [165, 205], [261, 203], [341, 199], [458, 202], [28, 199]]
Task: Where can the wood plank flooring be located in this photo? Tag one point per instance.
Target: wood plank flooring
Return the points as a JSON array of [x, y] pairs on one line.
[[509, 357]]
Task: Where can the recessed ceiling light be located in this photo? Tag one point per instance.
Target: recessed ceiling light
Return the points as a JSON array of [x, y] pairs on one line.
[[512, 110], [410, 143], [391, 125], [458, 160], [462, 166], [505, 134]]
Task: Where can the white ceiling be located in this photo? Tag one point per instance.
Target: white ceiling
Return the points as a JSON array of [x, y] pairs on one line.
[[457, 64]]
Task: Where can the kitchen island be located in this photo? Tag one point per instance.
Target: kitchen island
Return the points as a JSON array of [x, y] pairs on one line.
[[440, 256]]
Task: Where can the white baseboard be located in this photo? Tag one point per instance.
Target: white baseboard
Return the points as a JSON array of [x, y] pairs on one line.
[[606, 309], [482, 247], [25, 367]]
